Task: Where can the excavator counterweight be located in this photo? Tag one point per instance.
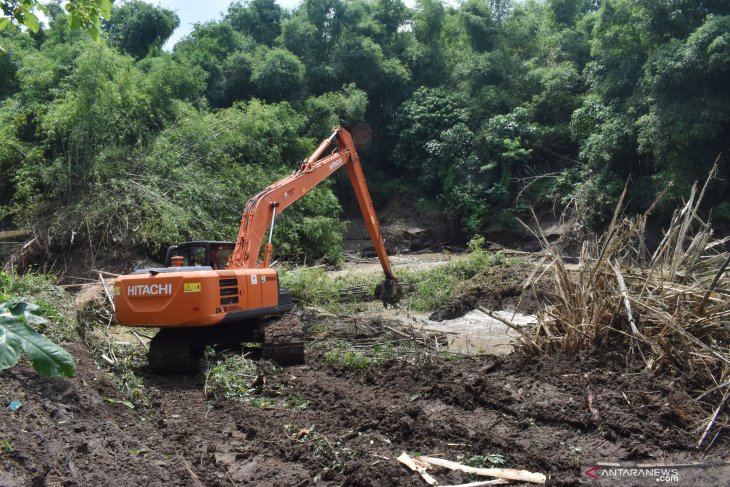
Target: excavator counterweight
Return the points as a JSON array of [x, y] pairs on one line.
[[197, 301]]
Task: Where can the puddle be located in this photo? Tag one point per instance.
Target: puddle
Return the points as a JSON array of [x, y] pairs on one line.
[[476, 332]]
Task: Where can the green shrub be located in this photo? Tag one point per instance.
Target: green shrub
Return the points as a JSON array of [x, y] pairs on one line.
[[315, 286], [435, 287], [347, 359]]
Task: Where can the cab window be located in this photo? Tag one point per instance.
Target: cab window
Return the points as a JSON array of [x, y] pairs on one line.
[[219, 256], [193, 256]]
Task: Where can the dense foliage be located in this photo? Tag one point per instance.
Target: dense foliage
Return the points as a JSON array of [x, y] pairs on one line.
[[82, 14], [459, 108]]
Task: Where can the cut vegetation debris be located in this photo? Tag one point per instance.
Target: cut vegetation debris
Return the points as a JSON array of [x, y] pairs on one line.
[[666, 311], [422, 463], [230, 376], [355, 343]]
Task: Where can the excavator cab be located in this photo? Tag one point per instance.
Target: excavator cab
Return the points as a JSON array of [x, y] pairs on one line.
[[213, 254]]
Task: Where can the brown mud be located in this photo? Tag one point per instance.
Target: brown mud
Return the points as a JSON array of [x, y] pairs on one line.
[[327, 426]]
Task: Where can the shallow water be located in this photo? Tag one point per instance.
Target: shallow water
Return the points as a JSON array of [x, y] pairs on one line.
[[473, 333]]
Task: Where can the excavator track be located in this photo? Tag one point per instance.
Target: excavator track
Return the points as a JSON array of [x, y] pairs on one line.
[[283, 339], [179, 350], [175, 351]]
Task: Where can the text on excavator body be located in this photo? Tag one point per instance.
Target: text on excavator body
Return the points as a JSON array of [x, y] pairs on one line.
[[149, 290]]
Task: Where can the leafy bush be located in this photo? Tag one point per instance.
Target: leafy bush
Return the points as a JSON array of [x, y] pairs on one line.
[[190, 183], [315, 286], [53, 303], [431, 288]]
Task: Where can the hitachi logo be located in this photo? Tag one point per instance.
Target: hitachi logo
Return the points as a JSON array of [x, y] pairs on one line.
[[148, 290]]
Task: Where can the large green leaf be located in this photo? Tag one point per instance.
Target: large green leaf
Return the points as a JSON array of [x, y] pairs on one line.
[[10, 348], [16, 337]]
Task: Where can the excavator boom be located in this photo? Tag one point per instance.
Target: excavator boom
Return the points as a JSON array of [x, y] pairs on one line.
[[261, 210]]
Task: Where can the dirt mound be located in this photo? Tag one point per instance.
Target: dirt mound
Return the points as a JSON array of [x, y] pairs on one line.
[[496, 288], [91, 294], [328, 426]]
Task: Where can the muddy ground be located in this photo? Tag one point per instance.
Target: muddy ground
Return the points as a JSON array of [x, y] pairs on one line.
[[329, 426]]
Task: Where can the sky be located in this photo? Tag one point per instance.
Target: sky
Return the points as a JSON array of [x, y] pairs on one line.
[[194, 11]]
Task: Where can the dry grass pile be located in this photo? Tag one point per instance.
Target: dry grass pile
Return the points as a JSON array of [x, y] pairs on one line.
[[667, 310]]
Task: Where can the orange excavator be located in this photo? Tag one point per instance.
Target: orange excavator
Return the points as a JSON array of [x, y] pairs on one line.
[[199, 299]]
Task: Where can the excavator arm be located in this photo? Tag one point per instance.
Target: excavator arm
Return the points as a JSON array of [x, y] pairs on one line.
[[262, 209]]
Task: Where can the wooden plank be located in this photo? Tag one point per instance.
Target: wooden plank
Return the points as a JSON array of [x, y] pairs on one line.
[[479, 483], [14, 233], [502, 473], [409, 462]]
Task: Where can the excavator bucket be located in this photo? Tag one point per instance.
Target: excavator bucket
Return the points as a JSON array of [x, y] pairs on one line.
[[389, 291]]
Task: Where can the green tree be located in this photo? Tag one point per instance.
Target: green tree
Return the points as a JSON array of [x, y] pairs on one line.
[[260, 19], [688, 122], [326, 16], [277, 75], [418, 127], [136, 27], [208, 46], [82, 14], [346, 107], [428, 21], [480, 24], [391, 14]]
